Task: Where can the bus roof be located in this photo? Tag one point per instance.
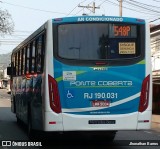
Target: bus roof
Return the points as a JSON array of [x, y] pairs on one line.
[[81, 19], [98, 19], [30, 37]]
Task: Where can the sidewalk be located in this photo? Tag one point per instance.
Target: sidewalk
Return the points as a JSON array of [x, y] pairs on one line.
[[155, 123]]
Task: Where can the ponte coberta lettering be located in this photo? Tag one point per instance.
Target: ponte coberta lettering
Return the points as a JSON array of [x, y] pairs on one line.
[[101, 83], [103, 19]]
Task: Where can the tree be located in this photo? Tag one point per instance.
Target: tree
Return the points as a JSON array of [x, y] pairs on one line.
[[6, 23]]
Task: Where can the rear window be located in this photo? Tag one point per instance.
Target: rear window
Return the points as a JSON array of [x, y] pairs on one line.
[[98, 41]]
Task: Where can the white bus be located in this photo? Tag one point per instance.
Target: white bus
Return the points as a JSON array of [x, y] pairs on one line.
[[88, 74]]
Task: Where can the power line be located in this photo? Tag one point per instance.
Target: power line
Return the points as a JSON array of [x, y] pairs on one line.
[[23, 31], [134, 3], [8, 44], [93, 7], [154, 20], [143, 4], [82, 8], [140, 10], [35, 9], [75, 7], [156, 0], [87, 8], [1, 40], [78, 12], [71, 10], [131, 9], [102, 3]]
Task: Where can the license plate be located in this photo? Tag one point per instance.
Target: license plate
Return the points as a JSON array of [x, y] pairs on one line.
[[101, 122], [100, 103]]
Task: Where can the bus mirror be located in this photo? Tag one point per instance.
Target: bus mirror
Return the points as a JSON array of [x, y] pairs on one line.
[[9, 71]]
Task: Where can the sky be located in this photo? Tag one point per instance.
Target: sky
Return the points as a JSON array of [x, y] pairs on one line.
[[28, 15]]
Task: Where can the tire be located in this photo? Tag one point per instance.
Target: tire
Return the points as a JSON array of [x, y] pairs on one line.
[[110, 137], [107, 136], [29, 125], [18, 121]]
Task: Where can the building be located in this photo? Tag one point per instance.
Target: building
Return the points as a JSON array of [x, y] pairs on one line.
[[4, 78], [155, 53], [5, 74]]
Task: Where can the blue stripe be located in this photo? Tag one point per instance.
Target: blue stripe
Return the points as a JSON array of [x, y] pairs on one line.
[[125, 108], [98, 19]]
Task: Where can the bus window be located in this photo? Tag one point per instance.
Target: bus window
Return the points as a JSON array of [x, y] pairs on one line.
[[13, 64], [28, 59], [14, 60], [39, 54], [23, 65], [20, 63], [16, 64], [33, 58], [99, 41]]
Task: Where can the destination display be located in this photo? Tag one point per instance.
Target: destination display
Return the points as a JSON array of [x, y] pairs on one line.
[[123, 31]]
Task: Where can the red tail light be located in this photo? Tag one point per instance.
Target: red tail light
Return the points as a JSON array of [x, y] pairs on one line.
[[54, 95], [144, 98]]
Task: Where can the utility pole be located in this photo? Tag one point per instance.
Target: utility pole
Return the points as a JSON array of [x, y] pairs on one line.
[[93, 7], [120, 8]]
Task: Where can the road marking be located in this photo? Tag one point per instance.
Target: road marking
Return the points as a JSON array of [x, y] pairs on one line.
[[148, 132]]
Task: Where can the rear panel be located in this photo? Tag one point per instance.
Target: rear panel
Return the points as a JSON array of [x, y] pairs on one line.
[[99, 91]]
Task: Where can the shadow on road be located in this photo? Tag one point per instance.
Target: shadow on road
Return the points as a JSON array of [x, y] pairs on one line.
[[69, 140], [11, 130]]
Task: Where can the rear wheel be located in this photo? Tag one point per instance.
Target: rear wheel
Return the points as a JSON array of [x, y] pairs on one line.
[[107, 136], [29, 128], [29, 125], [18, 121], [111, 136]]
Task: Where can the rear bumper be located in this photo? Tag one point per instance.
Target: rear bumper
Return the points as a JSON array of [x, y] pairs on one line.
[[133, 121], [52, 121], [80, 123], [147, 115], [71, 122]]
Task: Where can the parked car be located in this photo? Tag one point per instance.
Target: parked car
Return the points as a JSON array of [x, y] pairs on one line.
[[1, 84]]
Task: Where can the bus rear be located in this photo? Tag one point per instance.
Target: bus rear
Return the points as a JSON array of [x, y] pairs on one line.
[[101, 79]]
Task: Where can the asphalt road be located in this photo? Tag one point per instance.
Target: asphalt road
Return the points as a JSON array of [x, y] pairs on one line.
[[10, 130]]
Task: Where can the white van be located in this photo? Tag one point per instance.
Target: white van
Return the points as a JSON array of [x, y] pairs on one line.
[[1, 84]]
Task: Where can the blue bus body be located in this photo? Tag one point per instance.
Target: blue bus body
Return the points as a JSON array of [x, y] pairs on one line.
[[96, 76]]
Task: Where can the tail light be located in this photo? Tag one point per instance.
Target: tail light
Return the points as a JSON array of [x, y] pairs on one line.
[[144, 97], [54, 95]]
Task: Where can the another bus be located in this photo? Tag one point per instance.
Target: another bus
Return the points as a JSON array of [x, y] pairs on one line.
[[89, 74]]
